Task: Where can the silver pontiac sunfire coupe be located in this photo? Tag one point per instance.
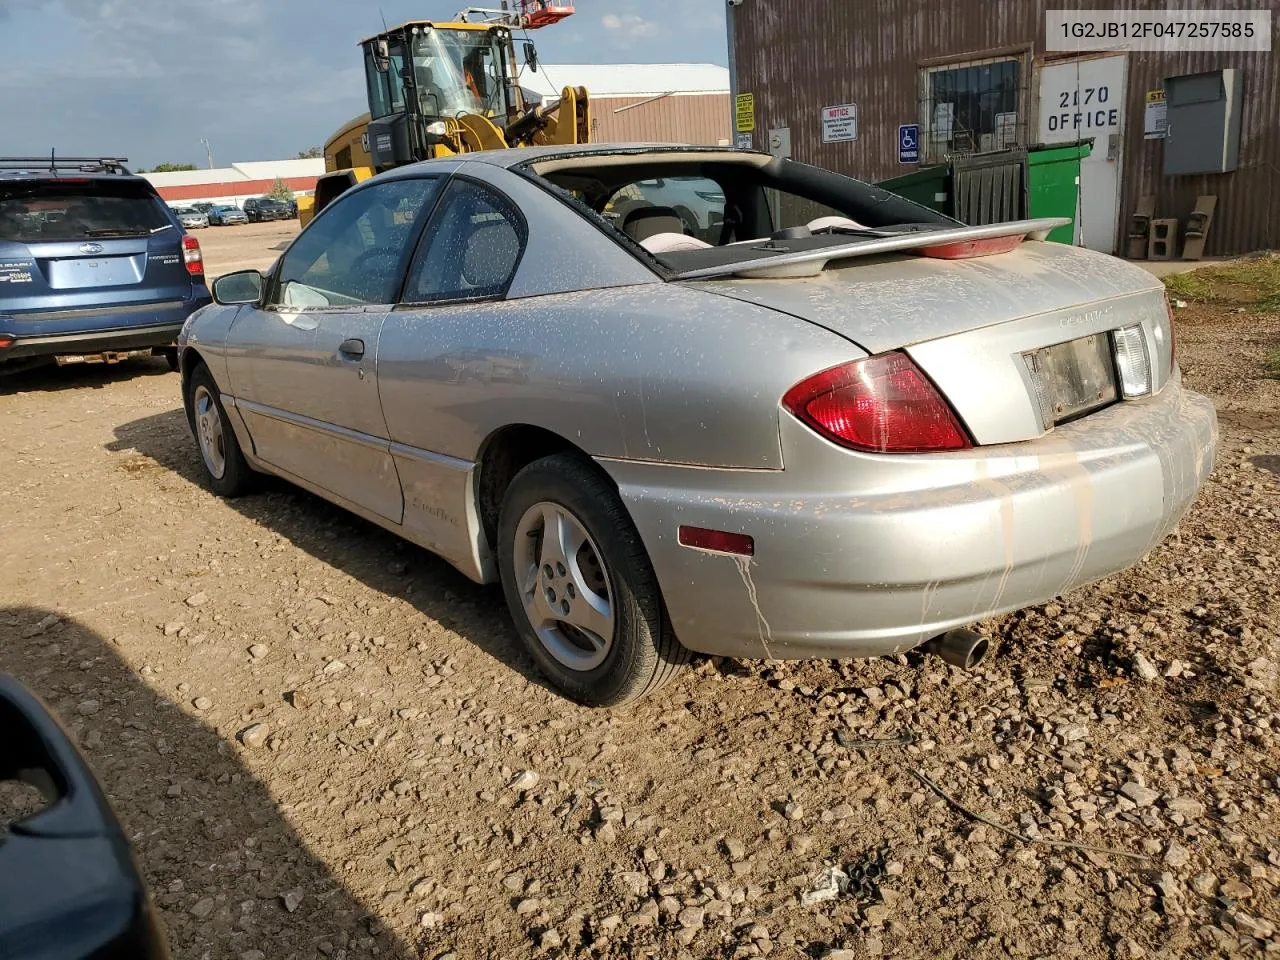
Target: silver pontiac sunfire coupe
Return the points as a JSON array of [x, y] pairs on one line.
[[680, 399]]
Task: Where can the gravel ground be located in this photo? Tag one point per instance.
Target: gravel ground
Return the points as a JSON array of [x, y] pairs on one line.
[[325, 743], [249, 246]]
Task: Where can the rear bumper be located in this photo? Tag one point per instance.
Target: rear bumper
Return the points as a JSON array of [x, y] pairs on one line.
[[868, 555], [89, 331]]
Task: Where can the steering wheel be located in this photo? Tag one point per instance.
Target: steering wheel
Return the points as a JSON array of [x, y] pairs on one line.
[[359, 261], [371, 284]]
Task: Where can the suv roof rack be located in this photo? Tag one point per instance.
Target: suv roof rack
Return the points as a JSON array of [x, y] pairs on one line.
[[57, 165]]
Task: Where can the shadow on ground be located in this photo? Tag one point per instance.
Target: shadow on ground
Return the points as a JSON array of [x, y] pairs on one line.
[[1268, 462], [215, 850], [81, 376], [378, 559]]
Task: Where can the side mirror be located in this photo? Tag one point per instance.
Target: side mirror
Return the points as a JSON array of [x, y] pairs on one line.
[[381, 56], [68, 884], [243, 286], [531, 56]]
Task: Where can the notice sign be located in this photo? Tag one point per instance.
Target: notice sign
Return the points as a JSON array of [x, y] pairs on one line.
[[1006, 131], [944, 115], [744, 113], [840, 123], [1155, 121]]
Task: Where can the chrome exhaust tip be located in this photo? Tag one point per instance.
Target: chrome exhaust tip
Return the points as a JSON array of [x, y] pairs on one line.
[[962, 647]]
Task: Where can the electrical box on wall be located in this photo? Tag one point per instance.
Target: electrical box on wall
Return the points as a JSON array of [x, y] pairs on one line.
[[780, 142], [1203, 130]]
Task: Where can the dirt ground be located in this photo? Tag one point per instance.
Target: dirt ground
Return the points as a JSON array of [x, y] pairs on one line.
[[326, 743], [250, 246]]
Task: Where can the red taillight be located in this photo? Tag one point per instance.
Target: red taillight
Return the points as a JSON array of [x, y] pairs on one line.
[[965, 249], [882, 404], [192, 256], [721, 541], [5, 341]]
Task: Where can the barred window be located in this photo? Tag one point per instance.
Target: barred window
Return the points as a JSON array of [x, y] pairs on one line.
[[977, 106]]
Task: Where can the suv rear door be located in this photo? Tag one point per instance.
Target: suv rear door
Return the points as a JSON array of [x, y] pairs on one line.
[[68, 243]]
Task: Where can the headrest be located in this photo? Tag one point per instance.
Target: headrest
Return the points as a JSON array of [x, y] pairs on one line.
[[644, 222]]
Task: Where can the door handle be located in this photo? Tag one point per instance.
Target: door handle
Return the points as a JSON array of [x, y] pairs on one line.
[[352, 349]]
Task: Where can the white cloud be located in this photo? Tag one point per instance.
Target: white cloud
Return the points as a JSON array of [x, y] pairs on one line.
[[629, 26]]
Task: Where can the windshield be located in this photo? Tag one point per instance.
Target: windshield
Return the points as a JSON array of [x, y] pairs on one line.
[[460, 71], [33, 212]]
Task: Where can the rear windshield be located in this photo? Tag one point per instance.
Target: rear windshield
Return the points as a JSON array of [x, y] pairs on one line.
[[696, 210], [51, 211]]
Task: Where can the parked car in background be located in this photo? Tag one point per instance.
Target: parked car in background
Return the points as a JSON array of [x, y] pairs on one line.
[[292, 206], [93, 265], [222, 216], [809, 438], [697, 201], [203, 206], [192, 219], [259, 209]]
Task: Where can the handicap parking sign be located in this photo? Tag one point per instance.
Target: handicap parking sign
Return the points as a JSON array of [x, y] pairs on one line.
[[909, 143]]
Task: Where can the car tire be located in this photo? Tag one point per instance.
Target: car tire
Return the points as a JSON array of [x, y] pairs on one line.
[[171, 358], [607, 583], [229, 473]]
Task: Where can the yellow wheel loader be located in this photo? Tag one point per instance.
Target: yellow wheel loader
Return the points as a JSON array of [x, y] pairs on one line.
[[438, 89]]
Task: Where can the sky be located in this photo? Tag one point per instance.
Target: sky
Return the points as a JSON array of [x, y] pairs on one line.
[[260, 79]]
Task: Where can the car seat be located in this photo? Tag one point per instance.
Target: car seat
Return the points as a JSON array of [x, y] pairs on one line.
[[645, 222]]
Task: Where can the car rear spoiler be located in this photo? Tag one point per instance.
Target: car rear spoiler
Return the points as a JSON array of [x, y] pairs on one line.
[[947, 243]]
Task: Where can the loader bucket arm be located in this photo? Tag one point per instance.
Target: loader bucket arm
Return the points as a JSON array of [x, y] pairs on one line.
[[569, 121]]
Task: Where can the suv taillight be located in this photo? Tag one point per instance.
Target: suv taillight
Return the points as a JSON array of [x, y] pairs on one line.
[[192, 256], [882, 404]]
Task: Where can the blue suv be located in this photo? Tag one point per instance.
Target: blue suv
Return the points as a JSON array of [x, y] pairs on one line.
[[93, 264]]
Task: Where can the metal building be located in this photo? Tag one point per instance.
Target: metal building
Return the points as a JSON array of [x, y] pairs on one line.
[[843, 84], [645, 102]]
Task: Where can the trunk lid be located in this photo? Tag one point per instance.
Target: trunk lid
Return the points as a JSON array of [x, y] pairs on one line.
[[76, 244], [972, 325]]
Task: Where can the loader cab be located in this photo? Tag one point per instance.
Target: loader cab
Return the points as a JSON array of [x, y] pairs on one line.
[[422, 74]]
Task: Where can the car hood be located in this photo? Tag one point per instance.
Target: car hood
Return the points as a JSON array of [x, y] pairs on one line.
[[894, 301]]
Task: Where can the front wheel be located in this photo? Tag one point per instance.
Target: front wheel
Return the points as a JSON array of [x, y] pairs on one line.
[[229, 473], [580, 586]]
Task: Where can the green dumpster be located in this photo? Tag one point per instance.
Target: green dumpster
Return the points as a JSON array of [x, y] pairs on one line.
[[929, 186], [1053, 185], [989, 188]]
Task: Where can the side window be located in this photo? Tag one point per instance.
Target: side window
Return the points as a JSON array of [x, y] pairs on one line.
[[474, 244], [697, 202], [352, 254]]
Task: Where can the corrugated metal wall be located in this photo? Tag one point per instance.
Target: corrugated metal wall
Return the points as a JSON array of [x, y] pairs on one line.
[[798, 57], [1248, 213], [681, 118]]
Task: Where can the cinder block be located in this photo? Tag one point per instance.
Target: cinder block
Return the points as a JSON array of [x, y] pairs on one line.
[[1140, 228], [1163, 242], [1198, 225]]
